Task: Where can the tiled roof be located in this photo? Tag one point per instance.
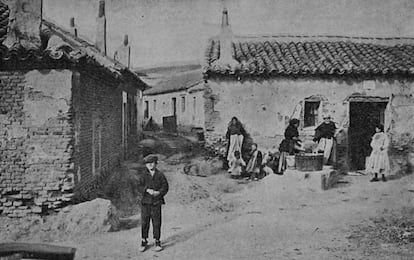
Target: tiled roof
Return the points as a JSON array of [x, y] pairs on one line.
[[176, 82], [60, 49], [308, 56]]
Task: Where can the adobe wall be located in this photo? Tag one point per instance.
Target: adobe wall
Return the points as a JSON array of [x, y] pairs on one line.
[[99, 143], [265, 106], [36, 141]]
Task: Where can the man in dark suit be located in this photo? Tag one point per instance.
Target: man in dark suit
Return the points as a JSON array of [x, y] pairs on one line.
[[153, 186]]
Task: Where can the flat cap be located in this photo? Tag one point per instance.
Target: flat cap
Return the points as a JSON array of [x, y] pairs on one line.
[[151, 159]]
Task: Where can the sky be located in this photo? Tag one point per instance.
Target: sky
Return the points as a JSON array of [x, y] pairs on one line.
[[169, 31]]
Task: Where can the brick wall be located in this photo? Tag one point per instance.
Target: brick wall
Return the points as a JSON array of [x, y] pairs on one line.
[[36, 173], [98, 102]]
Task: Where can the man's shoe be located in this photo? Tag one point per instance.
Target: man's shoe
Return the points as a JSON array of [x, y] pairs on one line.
[[383, 178], [144, 245], [158, 246]]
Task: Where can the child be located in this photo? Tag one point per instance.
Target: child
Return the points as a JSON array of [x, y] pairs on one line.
[[378, 162], [153, 186], [254, 167], [236, 165]]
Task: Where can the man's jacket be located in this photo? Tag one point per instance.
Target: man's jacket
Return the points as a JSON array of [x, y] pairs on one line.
[[158, 182]]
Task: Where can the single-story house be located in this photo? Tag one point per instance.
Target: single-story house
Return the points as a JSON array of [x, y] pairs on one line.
[[67, 110], [267, 80], [178, 96]]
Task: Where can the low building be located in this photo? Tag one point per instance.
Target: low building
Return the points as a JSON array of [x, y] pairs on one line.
[[67, 111], [266, 81], [179, 97]]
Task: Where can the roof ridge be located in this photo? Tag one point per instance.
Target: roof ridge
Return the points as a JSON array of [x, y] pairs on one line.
[[90, 49], [324, 36]]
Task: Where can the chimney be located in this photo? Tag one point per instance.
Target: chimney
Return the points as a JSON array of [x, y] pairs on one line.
[[123, 53], [73, 28], [226, 42], [225, 19], [100, 40], [25, 19]]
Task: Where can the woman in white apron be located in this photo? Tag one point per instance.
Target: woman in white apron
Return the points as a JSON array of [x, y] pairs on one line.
[[235, 136]]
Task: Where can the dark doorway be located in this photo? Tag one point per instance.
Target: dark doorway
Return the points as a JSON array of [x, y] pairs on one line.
[[364, 116], [174, 106]]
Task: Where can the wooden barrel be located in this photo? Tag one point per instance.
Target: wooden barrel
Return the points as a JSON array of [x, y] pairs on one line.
[[309, 162]]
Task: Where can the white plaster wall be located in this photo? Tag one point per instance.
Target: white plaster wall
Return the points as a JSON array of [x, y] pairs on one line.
[[191, 116], [264, 107]]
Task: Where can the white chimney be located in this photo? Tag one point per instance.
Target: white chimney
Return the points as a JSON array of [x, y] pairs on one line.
[[226, 43], [123, 53], [25, 20], [73, 28], [100, 40]]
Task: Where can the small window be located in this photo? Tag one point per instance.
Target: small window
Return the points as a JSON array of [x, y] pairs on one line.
[[182, 104], [213, 101], [311, 113], [154, 107]]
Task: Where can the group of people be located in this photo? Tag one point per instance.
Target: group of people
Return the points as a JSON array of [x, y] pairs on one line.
[[154, 185], [260, 165], [253, 169]]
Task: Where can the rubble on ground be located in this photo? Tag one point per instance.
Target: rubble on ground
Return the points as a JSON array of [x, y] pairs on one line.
[[203, 168], [87, 218]]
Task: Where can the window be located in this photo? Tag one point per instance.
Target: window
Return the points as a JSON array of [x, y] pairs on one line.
[[212, 100], [182, 104], [174, 106], [154, 107], [146, 111], [311, 113]]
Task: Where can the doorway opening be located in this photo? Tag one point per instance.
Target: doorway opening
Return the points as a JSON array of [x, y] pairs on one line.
[[364, 116], [174, 106]]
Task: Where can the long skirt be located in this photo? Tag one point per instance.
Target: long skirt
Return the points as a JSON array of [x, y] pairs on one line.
[[325, 145], [282, 162], [236, 142], [378, 162]]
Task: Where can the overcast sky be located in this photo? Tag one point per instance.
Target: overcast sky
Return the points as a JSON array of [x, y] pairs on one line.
[[164, 31]]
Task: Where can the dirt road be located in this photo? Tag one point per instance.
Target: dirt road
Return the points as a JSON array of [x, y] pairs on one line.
[[275, 218]]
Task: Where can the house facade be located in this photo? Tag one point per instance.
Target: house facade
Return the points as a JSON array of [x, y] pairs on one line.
[[266, 81], [67, 112], [179, 96]]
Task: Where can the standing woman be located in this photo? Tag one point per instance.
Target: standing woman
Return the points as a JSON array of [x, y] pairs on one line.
[[235, 136], [378, 162], [325, 136], [290, 144]]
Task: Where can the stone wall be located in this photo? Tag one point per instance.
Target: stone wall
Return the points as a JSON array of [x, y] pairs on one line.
[[99, 143], [36, 141], [265, 106]]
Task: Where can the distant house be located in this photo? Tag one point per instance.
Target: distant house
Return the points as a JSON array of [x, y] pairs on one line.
[[179, 96], [67, 111], [265, 81]]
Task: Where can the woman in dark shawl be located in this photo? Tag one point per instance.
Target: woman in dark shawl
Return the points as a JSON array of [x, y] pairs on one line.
[[235, 136], [290, 144]]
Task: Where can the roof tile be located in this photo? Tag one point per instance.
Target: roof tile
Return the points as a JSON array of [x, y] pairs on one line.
[[310, 57]]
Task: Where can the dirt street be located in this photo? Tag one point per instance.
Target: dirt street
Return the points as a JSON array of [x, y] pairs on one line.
[[275, 218]]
